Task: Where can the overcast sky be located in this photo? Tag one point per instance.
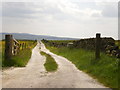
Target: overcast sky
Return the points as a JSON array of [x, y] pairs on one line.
[[69, 18]]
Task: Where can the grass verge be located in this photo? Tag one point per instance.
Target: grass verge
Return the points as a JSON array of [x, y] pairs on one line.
[[19, 60], [50, 64], [104, 70], [2, 47]]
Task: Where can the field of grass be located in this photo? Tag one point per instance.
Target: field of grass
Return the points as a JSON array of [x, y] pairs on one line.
[[62, 41], [105, 70], [50, 63], [117, 42], [2, 47], [19, 60]]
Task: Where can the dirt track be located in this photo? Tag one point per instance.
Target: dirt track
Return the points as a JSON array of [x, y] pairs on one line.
[[34, 74]]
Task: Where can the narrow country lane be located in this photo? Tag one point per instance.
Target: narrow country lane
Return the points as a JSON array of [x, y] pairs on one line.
[[34, 74]]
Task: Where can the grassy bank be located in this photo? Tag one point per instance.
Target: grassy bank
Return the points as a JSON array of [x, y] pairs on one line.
[[19, 60], [2, 47], [50, 63], [105, 69], [117, 42]]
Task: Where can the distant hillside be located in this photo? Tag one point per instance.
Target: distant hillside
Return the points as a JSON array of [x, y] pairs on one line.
[[24, 36]]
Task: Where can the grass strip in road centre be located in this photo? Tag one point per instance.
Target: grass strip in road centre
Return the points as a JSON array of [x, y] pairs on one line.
[[50, 64]]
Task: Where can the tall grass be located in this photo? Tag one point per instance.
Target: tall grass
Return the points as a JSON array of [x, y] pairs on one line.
[[19, 60], [105, 69], [2, 47], [117, 42], [50, 63]]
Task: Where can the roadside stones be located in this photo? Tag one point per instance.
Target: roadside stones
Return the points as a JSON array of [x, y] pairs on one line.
[[113, 51]]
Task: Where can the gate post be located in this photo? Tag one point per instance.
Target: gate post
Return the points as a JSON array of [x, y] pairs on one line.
[[97, 48], [8, 46]]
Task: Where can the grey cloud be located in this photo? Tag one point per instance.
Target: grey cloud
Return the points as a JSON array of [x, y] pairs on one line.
[[110, 10], [50, 10], [16, 9], [96, 15], [21, 10], [118, 9]]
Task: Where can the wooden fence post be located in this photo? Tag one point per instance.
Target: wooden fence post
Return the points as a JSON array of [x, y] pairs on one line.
[[23, 46], [98, 41], [8, 46]]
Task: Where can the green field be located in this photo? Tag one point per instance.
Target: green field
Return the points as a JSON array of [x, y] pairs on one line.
[[21, 58], [105, 70], [117, 42], [2, 47], [50, 64]]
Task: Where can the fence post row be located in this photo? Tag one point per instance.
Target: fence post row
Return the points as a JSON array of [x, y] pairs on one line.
[[15, 47], [98, 41], [12, 47]]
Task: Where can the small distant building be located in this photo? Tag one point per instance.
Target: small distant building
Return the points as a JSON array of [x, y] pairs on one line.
[[70, 44]]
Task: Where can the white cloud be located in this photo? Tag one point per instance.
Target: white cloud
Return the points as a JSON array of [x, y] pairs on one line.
[[71, 18], [55, 0], [47, 7], [57, 9], [109, 9]]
